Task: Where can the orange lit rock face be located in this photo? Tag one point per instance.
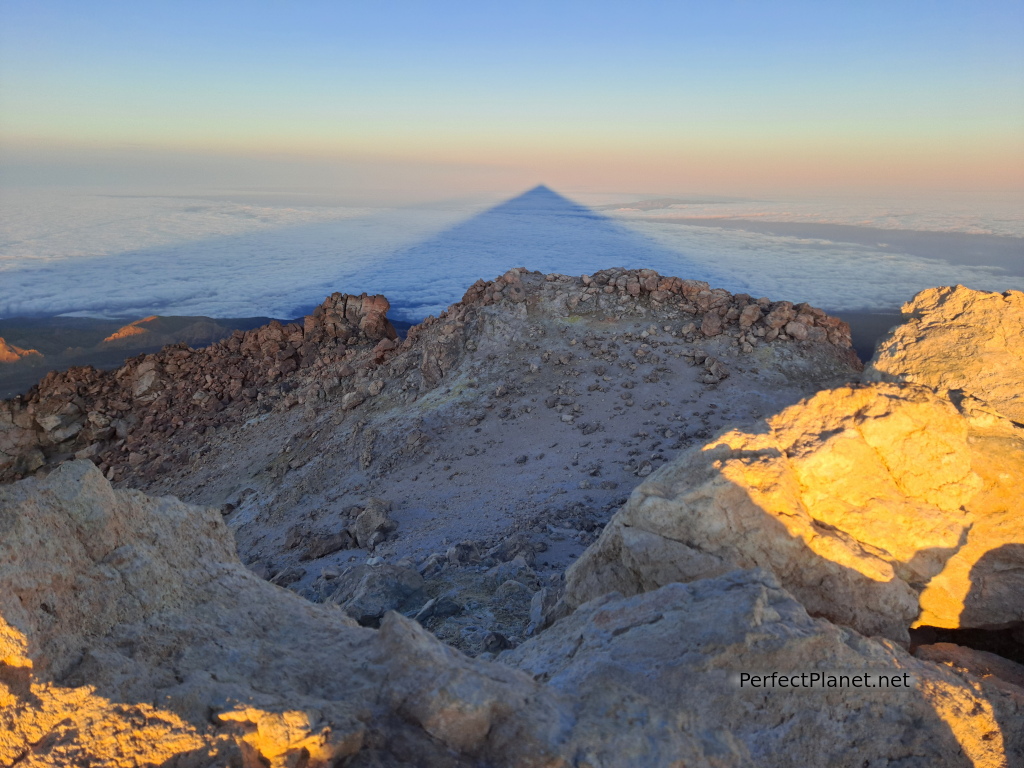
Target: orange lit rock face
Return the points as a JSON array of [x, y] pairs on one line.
[[12, 354], [959, 339], [132, 329], [877, 507]]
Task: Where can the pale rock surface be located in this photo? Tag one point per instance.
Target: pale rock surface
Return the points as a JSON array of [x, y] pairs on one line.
[[959, 339], [675, 655], [877, 507], [130, 635]]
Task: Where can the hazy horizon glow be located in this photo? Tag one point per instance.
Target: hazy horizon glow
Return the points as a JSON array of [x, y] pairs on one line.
[[726, 98]]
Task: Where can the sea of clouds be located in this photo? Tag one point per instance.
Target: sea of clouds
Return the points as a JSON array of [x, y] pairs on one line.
[[241, 254]]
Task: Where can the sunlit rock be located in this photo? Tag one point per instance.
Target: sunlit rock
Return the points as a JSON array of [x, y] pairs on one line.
[[877, 507], [963, 340], [9, 353], [135, 328]]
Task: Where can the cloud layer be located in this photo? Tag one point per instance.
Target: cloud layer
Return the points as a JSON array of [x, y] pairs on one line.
[[229, 257]]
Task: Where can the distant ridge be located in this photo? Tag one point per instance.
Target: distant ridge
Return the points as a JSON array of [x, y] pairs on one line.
[[12, 354]]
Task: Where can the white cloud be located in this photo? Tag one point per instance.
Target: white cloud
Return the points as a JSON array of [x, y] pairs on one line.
[[1002, 215], [131, 256]]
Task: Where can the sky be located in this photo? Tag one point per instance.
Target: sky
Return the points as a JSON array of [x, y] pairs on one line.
[[233, 159], [419, 100]]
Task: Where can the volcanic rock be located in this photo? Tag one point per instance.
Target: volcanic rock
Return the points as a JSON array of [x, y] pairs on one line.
[[367, 592], [877, 507], [155, 395], [130, 635], [680, 651], [958, 339], [373, 524], [9, 353]]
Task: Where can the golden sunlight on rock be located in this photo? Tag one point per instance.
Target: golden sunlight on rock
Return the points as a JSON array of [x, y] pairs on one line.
[[277, 740], [12, 354], [959, 339], [43, 724], [132, 329], [856, 498], [137, 639], [972, 720], [982, 583]]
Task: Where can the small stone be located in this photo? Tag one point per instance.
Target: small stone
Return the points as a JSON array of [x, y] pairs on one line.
[[351, 400], [797, 330], [711, 325], [495, 642], [288, 576]]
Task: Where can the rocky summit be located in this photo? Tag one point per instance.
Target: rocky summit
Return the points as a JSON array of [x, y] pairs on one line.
[[573, 521]]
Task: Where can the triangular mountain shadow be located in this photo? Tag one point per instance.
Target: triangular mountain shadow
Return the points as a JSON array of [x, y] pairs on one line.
[[539, 229]]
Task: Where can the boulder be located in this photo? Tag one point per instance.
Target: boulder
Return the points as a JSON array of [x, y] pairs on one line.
[[679, 654], [373, 524], [352, 399], [322, 544], [959, 339], [367, 592], [878, 507], [130, 636]]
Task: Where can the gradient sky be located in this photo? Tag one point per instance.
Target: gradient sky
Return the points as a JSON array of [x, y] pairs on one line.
[[724, 97]]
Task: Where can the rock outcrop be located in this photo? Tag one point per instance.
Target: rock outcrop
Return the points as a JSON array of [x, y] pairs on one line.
[[9, 353], [677, 653], [961, 340], [878, 507], [528, 414], [131, 636], [134, 328], [125, 420], [127, 417], [523, 414]]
